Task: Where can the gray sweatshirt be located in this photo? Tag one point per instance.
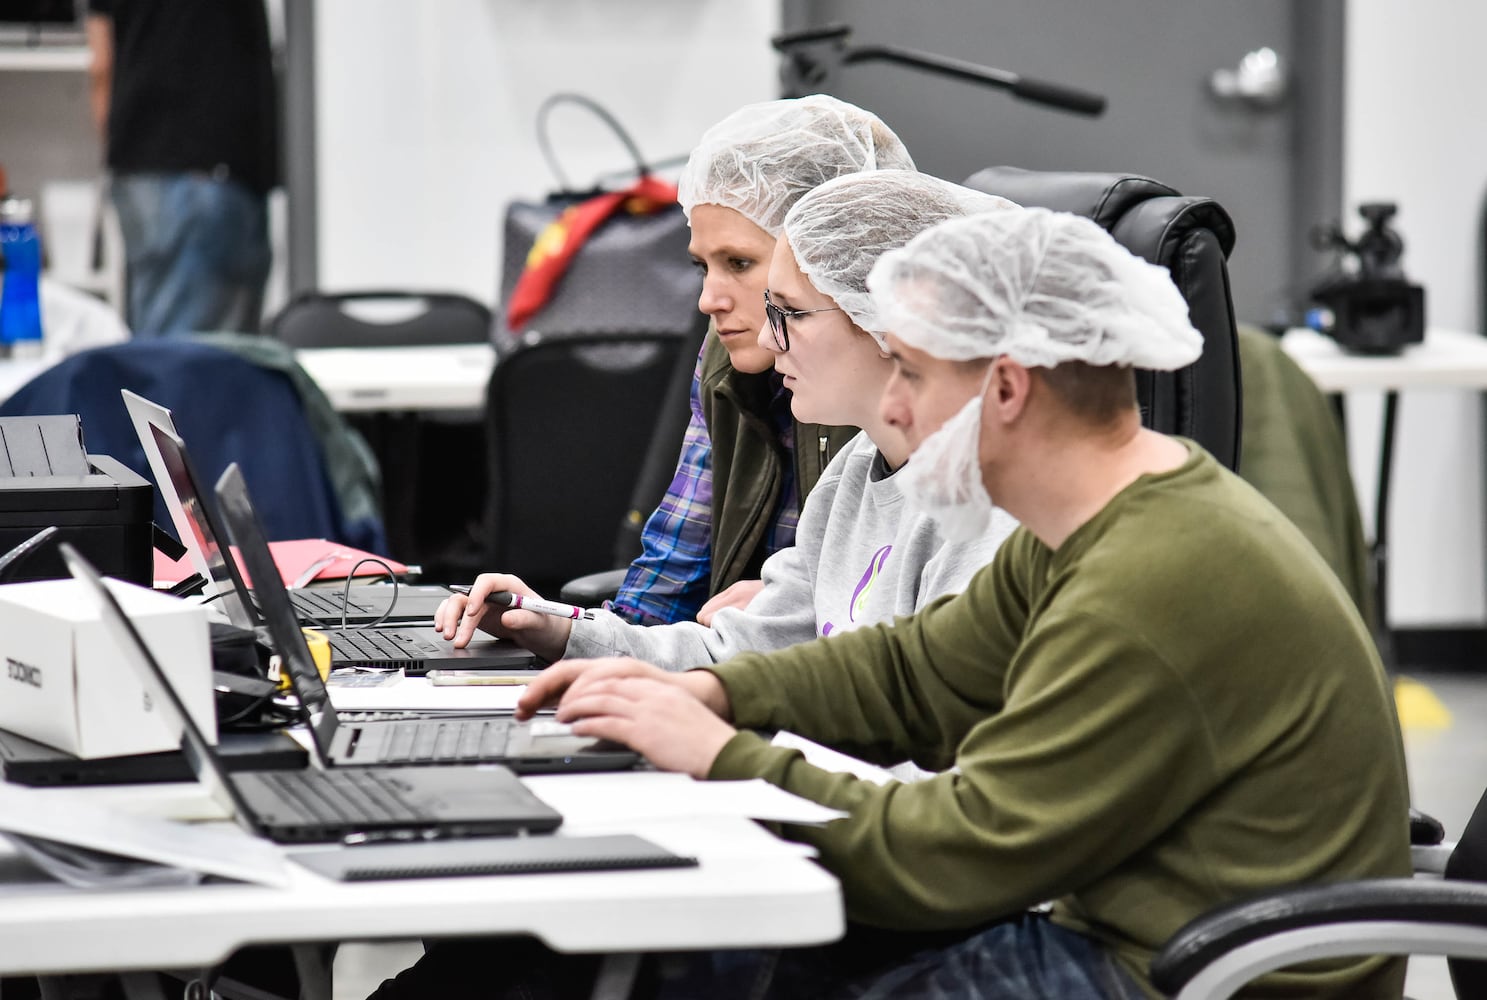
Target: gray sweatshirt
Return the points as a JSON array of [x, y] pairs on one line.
[[859, 557]]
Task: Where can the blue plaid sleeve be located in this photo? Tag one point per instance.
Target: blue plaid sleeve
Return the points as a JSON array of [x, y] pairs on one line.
[[670, 579]]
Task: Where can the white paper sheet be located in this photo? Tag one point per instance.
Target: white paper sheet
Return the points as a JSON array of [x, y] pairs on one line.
[[655, 795], [417, 694], [68, 816], [832, 760]]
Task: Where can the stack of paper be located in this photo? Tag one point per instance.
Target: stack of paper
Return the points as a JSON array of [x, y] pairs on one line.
[[76, 819]]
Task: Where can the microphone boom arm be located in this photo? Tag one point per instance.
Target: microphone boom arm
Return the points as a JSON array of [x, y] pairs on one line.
[[812, 70], [1038, 91]]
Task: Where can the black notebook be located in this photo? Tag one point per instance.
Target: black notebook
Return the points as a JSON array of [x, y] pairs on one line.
[[507, 856], [26, 762]]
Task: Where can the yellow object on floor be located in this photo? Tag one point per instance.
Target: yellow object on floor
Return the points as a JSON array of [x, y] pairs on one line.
[[1418, 706]]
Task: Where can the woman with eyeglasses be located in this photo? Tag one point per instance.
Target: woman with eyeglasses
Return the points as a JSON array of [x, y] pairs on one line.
[[861, 553]]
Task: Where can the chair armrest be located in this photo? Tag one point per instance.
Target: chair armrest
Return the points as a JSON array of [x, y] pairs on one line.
[[1215, 955], [594, 589]]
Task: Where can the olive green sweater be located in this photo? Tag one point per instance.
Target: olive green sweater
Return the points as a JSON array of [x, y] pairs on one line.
[[1177, 708]]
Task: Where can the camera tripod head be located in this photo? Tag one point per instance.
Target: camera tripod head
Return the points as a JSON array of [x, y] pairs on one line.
[[1374, 309], [1378, 250]]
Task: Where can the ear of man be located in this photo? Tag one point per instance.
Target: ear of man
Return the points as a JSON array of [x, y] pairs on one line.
[[1011, 384]]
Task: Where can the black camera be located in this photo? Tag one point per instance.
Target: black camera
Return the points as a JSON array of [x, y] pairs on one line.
[[1375, 309]]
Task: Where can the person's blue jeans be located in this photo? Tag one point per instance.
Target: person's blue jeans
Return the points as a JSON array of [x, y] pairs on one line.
[[1028, 958], [196, 253]]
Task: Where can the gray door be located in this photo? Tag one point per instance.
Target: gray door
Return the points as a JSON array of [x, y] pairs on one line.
[[1276, 169]]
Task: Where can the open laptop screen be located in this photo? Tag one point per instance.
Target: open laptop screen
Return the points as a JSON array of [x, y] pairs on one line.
[[145, 414], [206, 538], [273, 598]]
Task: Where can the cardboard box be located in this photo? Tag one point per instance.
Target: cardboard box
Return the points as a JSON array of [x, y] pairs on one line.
[[66, 684]]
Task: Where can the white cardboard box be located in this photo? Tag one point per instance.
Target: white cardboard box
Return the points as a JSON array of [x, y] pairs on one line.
[[68, 685]]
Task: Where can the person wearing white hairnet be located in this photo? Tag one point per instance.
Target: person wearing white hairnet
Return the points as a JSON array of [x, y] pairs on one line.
[[1157, 697], [860, 556], [745, 466]]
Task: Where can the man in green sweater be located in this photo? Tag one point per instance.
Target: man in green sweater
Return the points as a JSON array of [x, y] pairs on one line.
[[1157, 699]]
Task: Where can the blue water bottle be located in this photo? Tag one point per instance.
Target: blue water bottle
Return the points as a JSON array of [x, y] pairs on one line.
[[20, 305]]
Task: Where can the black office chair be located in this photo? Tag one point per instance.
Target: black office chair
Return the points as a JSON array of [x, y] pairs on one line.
[[433, 523], [1215, 955], [1192, 238], [383, 318], [569, 423]]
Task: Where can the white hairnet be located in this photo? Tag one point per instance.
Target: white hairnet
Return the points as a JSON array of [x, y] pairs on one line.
[[839, 230], [759, 160], [1041, 287]]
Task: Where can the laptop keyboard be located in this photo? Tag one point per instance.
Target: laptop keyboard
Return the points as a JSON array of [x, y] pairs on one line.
[[347, 797], [375, 644], [440, 740], [322, 603]]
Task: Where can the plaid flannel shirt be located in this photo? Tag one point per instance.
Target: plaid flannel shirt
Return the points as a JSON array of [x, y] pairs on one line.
[[671, 579]]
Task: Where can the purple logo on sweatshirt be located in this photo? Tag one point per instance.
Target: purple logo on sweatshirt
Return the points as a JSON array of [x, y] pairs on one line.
[[864, 585]]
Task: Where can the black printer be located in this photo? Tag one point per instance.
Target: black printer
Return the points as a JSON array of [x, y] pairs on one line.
[[97, 503]]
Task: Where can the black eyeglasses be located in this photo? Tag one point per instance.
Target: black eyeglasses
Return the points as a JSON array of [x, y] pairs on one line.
[[777, 316]]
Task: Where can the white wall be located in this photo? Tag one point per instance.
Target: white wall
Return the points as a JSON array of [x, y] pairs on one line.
[[1416, 101], [425, 115]]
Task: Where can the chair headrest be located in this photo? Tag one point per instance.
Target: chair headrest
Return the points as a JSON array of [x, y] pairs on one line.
[[1101, 197], [1112, 200]]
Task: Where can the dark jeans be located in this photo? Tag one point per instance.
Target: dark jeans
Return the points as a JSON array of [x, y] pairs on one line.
[[1029, 958], [196, 253]]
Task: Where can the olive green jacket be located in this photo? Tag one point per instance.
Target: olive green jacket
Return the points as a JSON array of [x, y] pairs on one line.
[[1292, 451]]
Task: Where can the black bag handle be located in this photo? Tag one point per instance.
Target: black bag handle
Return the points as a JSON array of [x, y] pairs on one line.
[[544, 142]]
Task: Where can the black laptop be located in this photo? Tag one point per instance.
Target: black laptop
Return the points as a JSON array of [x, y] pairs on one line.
[[313, 805], [318, 605], [536, 746], [414, 650]]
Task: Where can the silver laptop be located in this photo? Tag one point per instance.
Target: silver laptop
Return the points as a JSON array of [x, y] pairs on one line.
[[409, 648], [320, 605]]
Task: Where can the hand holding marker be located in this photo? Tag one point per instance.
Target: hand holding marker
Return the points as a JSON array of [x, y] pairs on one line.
[[507, 599]]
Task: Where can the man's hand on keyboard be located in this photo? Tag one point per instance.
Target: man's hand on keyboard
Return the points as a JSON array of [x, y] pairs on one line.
[[663, 722], [568, 679], [459, 616], [675, 720]]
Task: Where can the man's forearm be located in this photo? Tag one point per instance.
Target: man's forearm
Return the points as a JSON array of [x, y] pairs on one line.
[[704, 685]]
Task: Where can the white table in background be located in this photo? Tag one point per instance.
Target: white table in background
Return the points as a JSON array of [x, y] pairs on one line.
[[360, 379], [1447, 359]]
